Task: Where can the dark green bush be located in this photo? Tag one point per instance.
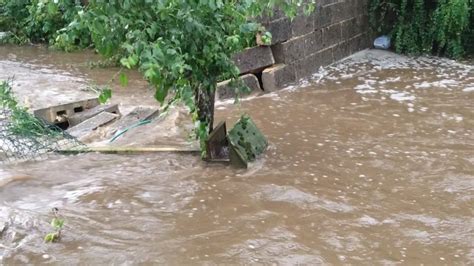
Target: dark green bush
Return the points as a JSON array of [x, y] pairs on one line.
[[36, 20], [443, 27]]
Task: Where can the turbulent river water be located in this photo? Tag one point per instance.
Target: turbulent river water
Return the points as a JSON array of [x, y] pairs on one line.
[[371, 161]]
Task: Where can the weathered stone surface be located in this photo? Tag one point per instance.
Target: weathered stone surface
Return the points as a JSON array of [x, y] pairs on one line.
[[362, 24], [313, 42], [341, 11], [361, 6], [53, 114], [254, 59], [348, 10], [280, 29], [278, 77], [276, 15], [360, 42], [79, 117], [349, 29], [322, 18], [341, 50], [311, 64], [137, 114], [302, 25], [92, 124], [332, 35], [225, 90], [289, 51], [327, 2]]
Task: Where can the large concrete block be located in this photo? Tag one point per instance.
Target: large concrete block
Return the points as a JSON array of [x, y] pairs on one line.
[[335, 12], [277, 77], [361, 7], [360, 42], [341, 50], [322, 17], [362, 23], [55, 114], [349, 10], [311, 63], [226, 90], [289, 51], [254, 59], [342, 11], [332, 35], [302, 24], [280, 29], [313, 42], [349, 29]]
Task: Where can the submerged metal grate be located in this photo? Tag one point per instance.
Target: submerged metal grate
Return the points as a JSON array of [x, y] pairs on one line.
[[17, 145]]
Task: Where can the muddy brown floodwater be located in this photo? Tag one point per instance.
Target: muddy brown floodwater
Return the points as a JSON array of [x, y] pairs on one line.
[[371, 162]]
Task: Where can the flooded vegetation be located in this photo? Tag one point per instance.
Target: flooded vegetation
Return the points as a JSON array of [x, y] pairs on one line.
[[372, 159]]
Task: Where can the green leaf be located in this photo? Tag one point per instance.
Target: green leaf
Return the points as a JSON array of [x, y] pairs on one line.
[[125, 63], [51, 237], [130, 62], [105, 95], [123, 79], [52, 8], [267, 38], [161, 93], [57, 223]]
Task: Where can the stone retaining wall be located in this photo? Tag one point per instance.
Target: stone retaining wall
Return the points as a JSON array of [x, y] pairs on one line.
[[337, 29]]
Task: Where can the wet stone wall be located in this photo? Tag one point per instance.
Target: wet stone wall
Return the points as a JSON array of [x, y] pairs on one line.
[[336, 29]]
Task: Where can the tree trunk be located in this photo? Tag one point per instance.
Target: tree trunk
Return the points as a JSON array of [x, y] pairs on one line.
[[204, 99]]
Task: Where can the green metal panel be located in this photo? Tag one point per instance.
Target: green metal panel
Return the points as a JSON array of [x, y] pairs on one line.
[[246, 140]]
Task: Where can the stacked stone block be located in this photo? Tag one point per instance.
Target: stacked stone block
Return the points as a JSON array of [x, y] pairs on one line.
[[336, 29]]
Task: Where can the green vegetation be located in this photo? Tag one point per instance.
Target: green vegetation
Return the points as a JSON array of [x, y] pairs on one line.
[[36, 20], [444, 27], [57, 223], [182, 47], [22, 123]]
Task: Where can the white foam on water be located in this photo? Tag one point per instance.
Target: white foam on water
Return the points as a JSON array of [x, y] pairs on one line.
[[468, 89], [365, 89], [402, 96], [422, 85], [444, 83], [368, 221]]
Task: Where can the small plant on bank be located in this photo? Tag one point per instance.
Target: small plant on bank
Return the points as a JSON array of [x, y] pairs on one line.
[[57, 223], [22, 122]]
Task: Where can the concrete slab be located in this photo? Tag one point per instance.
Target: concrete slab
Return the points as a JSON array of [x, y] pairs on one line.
[[277, 77], [59, 113], [80, 117], [253, 60], [92, 124], [136, 115], [226, 91]]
